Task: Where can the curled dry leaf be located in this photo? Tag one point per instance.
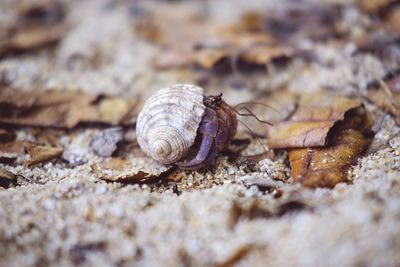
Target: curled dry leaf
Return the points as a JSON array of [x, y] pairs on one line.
[[136, 168], [40, 154], [327, 166], [58, 108], [311, 122]]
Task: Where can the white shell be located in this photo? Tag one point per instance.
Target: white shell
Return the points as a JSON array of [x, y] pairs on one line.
[[167, 125]]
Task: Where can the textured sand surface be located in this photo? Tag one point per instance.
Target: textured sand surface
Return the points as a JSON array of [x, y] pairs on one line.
[[62, 214]]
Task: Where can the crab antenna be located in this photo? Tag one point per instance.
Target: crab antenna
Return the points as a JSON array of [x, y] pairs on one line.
[[251, 114], [255, 135], [257, 103]]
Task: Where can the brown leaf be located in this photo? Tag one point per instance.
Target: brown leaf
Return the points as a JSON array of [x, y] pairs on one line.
[[208, 58], [134, 169], [208, 44], [7, 178], [58, 108], [38, 25], [274, 107], [373, 6], [305, 20], [113, 109], [262, 54], [32, 38], [326, 166], [40, 154], [13, 147], [310, 124], [6, 135], [392, 21]]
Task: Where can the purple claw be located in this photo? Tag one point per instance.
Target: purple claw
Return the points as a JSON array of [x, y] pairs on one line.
[[217, 129], [205, 147], [196, 163]]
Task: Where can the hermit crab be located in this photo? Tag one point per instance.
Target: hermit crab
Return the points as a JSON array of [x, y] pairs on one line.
[[179, 125]]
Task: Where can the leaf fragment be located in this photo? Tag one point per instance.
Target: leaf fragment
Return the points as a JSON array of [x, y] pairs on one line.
[[6, 135], [134, 169], [327, 166], [7, 178], [39, 24], [311, 122], [40, 154], [58, 108]]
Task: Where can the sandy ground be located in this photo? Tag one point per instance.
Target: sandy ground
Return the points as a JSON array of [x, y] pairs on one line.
[[61, 214]]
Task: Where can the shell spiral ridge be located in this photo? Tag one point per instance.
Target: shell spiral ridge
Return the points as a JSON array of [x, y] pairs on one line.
[[167, 125]]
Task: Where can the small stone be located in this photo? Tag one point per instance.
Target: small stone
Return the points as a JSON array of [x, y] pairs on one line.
[[105, 142]]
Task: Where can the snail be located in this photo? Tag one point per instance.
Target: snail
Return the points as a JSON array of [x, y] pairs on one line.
[[179, 125]]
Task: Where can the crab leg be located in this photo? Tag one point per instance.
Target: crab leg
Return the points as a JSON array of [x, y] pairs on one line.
[[207, 149], [208, 129]]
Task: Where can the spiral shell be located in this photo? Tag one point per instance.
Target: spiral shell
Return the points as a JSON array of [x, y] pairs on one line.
[[167, 125]]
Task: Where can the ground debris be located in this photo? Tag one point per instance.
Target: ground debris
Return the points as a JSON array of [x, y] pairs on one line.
[[39, 24], [327, 166], [299, 20], [7, 178], [125, 209], [40, 154], [55, 108], [128, 170], [387, 96], [310, 124], [105, 142], [6, 135]]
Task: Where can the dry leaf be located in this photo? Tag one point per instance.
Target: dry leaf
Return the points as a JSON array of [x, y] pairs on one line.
[[34, 38], [392, 22], [274, 107], [134, 169], [40, 154], [208, 58], [7, 178], [113, 109], [56, 108], [310, 124], [326, 166], [373, 6], [14, 147], [208, 44], [6, 135], [262, 54], [302, 20], [38, 25]]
